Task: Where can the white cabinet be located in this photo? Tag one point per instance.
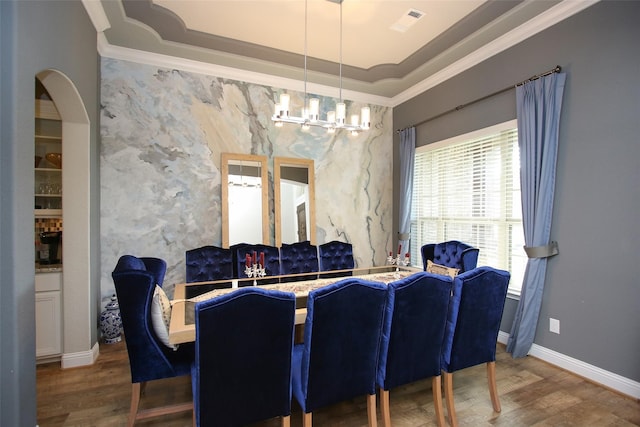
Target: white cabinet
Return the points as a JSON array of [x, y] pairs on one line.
[[48, 314]]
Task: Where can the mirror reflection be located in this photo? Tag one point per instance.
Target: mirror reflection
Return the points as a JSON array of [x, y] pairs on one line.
[[245, 203], [294, 192]]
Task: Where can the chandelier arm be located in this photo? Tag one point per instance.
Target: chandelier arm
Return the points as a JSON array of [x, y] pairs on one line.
[[340, 52]]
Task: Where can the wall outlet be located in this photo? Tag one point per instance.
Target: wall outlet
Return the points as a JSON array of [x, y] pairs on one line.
[[554, 325]]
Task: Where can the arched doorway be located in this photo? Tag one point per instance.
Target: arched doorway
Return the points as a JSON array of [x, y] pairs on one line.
[[79, 346]]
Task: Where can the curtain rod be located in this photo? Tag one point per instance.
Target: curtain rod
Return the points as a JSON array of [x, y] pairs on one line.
[[556, 69]]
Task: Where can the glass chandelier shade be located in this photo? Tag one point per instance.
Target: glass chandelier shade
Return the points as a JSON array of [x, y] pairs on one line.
[[336, 119]]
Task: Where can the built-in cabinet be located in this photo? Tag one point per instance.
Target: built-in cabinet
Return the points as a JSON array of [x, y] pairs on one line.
[[48, 314], [48, 229]]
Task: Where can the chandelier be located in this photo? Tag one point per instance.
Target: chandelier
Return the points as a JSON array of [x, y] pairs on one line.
[[335, 119]]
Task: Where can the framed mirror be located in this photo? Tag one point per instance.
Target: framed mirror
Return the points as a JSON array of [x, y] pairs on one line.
[[294, 200], [245, 199]]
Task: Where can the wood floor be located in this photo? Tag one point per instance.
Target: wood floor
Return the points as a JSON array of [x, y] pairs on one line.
[[532, 393]]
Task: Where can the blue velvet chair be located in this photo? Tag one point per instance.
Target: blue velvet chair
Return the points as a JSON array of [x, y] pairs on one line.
[[336, 255], [452, 254], [300, 257], [135, 280], [342, 337], [413, 331], [205, 264], [242, 368], [208, 263], [271, 260], [473, 324]]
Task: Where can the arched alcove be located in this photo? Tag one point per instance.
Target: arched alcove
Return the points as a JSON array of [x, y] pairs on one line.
[[78, 310]]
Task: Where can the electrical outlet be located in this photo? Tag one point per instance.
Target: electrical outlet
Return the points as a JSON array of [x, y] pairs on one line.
[[554, 325]]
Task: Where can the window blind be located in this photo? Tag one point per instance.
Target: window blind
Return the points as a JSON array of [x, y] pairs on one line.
[[469, 190]]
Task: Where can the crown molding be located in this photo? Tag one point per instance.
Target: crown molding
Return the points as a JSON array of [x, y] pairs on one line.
[[159, 60], [543, 21], [97, 15]]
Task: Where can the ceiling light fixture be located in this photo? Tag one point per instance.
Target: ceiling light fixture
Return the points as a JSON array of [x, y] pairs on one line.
[[311, 112]]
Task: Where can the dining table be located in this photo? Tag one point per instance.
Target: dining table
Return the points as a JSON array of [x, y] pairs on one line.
[[186, 295]]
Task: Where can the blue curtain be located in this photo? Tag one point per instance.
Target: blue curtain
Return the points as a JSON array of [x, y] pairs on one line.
[[538, 113], [407, 159]]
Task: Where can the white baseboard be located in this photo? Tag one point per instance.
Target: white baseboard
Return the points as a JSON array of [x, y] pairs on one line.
[[593, 373], [80, 358]]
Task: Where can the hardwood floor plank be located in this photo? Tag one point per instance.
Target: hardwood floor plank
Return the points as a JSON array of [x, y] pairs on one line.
[[532, 393]]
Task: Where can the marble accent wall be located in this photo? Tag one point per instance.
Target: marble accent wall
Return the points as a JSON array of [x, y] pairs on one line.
[[162, 133]]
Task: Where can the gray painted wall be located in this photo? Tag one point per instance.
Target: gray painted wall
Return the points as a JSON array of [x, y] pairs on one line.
[[35, 35], [591, 285]]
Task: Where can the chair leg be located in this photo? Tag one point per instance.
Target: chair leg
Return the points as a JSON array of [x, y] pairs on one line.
[[371, 410], [384, 407], [436, 387], [493, 388], [306, 419], [136, 390], [286, 421], [448, 398]]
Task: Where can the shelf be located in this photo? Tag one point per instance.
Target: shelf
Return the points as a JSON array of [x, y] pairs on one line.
[[48, 195], [46, 139], [48, 213]]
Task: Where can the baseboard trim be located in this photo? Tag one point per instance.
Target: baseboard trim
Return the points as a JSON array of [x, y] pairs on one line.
[[608, 379], [80, 358]]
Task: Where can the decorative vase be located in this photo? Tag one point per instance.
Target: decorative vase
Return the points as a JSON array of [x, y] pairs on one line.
[[111, 322]]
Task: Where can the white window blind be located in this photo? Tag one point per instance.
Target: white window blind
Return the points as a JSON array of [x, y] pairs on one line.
[[468, 189]]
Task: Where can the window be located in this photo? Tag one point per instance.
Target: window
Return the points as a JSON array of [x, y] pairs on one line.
[[468, 189]]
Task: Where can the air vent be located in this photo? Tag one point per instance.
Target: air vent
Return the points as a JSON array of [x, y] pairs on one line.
[[407, 20]]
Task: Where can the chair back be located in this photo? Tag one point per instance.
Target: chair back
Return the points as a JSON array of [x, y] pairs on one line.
[[271, 260], [242, 369], [474, 317], [336, 255], [148, 357], [414, 327], [300, 257], [208, 263], [452, 254], [342, 336]]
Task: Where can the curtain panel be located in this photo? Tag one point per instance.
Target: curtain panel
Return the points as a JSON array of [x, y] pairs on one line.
[[538, 104], [407, 159]]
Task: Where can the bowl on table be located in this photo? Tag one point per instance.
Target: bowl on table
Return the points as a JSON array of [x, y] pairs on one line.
[[55, 159]]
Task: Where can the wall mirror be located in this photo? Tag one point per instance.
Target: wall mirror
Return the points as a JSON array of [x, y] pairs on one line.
[[245, 203], [294, 200]]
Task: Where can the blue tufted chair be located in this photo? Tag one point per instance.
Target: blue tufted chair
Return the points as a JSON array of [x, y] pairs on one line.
[[473, 324], [208, 263], [271, 259], [135, 280], [205, 264], [413, 331], [339, 356], [336, 255], [242, 368], [453, 254], [301, 257]]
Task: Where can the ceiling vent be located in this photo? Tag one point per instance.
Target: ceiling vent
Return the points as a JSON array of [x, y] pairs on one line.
[[407, 20]]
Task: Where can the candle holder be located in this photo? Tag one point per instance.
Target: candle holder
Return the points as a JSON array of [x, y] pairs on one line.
[[398, 261], [255, 271]]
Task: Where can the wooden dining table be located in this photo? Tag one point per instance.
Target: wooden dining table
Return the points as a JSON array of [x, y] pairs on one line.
[[182, 326]]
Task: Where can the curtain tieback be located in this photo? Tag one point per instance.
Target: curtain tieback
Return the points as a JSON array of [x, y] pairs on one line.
[[404, 236], [542, 251]]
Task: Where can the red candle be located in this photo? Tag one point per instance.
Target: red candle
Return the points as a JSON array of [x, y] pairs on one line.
[[248, 260], [399, 248], [255, 259], [262, 259], [406, 255], [390, 253]]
